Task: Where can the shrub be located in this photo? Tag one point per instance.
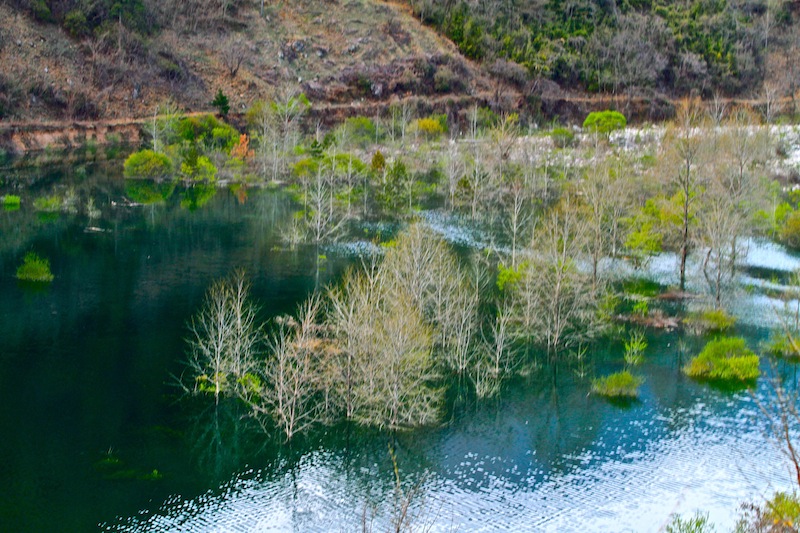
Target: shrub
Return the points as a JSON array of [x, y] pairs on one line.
[[11, 202], [696, 524], [618, 385], [75, 23], [790, 230], [378, 161], [724, 359], [224, 137], [34, 268], [220, 101], [445, 80], [604, 122], [203, 170], [783, 345], [562, 137], [431, 127], [48, 204], [41, 11], [713, 320], [147, 164], [780, 513], [361, 129]]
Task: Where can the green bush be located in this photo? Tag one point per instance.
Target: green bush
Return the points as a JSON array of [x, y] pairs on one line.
[[431, 127], [48, 204], [696, 524], [604, 122], [562, 137], [75, 23], [11, 202], [147, 164], [778, 514], [783, 345], [790, 230], [34, 268], [362, 130], [784, 509], [724, 359], [220, 101], [202, 170], [618, 385], [378, 162], [712, 320], [41, 11]]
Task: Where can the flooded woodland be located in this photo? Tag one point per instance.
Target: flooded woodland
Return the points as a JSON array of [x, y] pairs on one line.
[[404, 325]]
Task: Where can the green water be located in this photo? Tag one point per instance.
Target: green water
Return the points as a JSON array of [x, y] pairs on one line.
[[96, 435]]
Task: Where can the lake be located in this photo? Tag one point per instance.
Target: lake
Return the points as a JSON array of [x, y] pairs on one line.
[[98, 436]]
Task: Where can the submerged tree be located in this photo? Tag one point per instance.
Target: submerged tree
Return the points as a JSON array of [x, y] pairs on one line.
[[223, 338], [289, 391], [555, 304], [684, 152]]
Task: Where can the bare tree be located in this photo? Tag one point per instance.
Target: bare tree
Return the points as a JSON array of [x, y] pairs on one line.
[[682, 160], [554, 303], [291, 377], [224, 338], [233, 54]]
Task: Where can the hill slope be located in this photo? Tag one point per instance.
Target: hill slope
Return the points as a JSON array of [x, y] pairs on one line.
[[108, 65]]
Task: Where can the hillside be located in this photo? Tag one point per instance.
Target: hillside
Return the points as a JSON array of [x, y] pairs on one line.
[[66, 60], [61, 60], [674, 47]]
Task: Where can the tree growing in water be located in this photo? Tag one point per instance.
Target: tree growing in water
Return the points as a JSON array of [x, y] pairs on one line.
[[224, 339]]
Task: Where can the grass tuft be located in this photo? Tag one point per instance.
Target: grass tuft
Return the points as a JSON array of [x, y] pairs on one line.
[[724, 359], [618, 385], [35, 268]]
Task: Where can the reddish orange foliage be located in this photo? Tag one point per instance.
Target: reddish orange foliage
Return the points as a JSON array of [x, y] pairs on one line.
[[242, 149]]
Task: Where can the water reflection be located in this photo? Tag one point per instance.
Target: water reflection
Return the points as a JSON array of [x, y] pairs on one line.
[[85, 366]]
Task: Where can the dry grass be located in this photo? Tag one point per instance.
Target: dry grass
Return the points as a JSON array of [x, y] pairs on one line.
[[297, 42]]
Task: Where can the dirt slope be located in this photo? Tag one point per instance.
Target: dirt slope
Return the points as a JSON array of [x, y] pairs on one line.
[[337, 51]]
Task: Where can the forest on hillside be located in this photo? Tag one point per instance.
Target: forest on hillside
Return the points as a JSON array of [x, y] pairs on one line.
[[683, 47]]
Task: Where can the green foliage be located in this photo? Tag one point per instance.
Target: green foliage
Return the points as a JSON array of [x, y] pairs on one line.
[[48, 204], [76, 24], [781, 513], [362, 130], [783, 345], [508, 276], [641, 308], [378, 161], [562, 137], [790, 230], [199, 168], [688, 46], [147, 192], [11, 202], [635, 347], [641, 287], [784, 509], [644, 237], [41, 11], [710, 320], [618, 385], [431, 127], [604, 122], [724, 359], [147, 164], [34, 268], [696, 524], [220, 101]]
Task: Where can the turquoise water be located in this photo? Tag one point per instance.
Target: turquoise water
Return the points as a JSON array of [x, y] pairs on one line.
[[96, 435]]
